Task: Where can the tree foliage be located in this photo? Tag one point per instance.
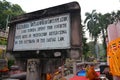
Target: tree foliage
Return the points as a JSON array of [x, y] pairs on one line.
[[3, 41], [92, 24], [97, 24], [8, 10], [84, 43]]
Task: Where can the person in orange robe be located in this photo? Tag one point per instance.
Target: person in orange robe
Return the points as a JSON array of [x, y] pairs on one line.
[[49, 76], [91, 74]]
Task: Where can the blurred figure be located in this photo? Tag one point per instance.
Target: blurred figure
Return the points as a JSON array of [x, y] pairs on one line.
[[106, 71], [91, 74], [49, 76], [86, 69]]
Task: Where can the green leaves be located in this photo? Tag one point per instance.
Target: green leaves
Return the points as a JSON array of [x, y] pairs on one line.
[[92, 24], [8, 9], [97, 24], [3, 41]]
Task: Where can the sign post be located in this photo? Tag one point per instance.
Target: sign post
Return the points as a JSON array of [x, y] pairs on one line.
[[51, 33]]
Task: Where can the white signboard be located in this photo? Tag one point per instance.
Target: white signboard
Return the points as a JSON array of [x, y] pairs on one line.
[[46, 33]]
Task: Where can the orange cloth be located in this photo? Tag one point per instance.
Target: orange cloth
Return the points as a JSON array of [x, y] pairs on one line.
[[5, 69], [113, 52], [91, 74], [49, 77]]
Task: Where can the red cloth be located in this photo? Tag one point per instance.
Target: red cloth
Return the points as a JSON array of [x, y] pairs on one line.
[[78, 78], [81, 77]]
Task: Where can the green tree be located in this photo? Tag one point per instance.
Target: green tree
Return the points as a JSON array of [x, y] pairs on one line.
[[93, 26], [115, 16], [84, 43], [90, 54], [97, 23], [104, 21], [8, 10], [118, 15]]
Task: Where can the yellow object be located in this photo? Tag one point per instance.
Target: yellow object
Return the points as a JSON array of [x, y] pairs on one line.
[[1, 51], [113, 53]]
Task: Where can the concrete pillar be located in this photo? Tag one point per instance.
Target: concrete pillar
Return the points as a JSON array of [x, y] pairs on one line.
[[33, 69]]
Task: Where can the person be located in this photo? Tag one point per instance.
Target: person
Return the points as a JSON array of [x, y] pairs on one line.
[[49, 76], [106, 71], [86, 69], [91, 74]]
